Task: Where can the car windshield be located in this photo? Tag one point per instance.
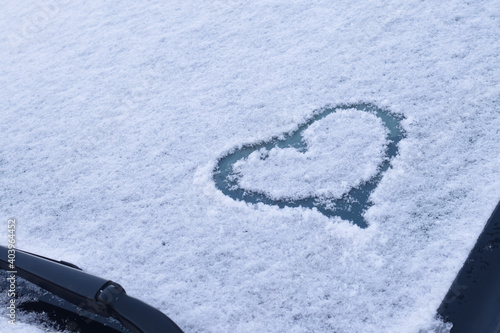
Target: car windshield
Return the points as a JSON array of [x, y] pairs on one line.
[[251, 166]]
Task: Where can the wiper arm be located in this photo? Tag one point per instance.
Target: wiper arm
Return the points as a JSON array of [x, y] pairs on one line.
[[100, 296]]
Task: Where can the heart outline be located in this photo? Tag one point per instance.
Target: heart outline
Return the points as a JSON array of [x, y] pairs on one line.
[[352, 205]]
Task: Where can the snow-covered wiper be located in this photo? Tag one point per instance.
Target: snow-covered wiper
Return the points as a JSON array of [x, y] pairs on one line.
[[91, 293]]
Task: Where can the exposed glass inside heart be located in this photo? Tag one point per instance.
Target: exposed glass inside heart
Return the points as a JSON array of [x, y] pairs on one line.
[[347, 197]]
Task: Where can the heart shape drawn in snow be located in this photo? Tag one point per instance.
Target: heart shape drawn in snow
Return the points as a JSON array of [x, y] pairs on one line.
[[332, 162]]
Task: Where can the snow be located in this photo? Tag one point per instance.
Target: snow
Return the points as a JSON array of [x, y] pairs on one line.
[[113, 118], [22, 328]]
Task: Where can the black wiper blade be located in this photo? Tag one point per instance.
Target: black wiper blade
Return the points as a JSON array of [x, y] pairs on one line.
[[91, 293]]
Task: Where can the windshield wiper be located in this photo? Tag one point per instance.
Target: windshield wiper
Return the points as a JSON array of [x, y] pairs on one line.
[[91, 293]]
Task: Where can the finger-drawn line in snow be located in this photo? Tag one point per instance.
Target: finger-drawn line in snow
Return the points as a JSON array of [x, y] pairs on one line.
[[351, 205]]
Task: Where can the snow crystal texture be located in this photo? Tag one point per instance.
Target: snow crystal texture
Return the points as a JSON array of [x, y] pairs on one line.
[[113, 117], [343, 150]]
